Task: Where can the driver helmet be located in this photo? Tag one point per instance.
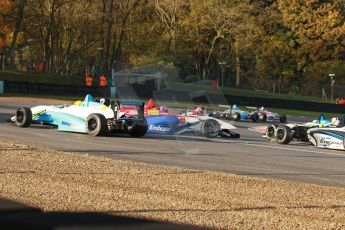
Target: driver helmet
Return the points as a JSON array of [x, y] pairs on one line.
[[164, 108], [104, 101], [335, 121]]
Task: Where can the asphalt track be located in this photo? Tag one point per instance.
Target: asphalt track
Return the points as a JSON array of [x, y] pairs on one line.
[[251, 155]]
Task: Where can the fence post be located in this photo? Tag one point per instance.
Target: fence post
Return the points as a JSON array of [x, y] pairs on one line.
[[1, 87]]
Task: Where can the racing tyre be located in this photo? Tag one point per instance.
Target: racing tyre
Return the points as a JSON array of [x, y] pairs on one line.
[[23, 117], [210, 128], [227, 116], [96, 125], [255, 117], [282, 119], [138, 128], [271, 132], [237, 116], [284, 135]]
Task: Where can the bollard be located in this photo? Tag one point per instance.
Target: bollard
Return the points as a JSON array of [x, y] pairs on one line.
[[1, 87]]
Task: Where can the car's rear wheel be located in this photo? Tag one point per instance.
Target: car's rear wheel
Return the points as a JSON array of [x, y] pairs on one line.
[[210, 128], [138, 128], [237, 116], [271, 132], [264, 118], [96, 125], [255, 117], [282, 119], [227, 116], [283, 135], [23, 117]]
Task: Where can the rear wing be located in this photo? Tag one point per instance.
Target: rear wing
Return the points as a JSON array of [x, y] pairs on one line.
[[140, 107], [225, 106], [251, 107]]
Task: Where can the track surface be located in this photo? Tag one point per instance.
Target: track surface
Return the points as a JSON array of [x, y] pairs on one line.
[[251, 155]]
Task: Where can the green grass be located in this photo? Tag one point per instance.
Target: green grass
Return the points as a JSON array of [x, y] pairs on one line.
[[311, 114], [187, 87]]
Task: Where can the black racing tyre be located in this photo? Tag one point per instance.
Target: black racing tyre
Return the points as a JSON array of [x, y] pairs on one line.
[[227, 116], [23, 117], [282, 119], [96, 125], [271, 131], [283, 135], [138, 128], [255, 117], [237, 116], [210, 128]]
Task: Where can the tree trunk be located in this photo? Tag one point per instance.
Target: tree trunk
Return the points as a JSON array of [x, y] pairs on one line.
[[237, 64], [19, 20]]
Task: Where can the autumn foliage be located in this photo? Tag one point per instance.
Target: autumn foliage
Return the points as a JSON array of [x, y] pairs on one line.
[[293, 43]]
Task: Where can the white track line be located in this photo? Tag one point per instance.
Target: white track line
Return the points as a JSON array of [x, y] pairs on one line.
[[291, 149]]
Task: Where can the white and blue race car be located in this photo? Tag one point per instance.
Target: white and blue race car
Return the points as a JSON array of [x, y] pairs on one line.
[[322, 133], [329, 137], [88, 116]]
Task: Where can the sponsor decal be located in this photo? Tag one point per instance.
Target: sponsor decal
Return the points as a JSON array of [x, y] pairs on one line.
[[324, 141], [154, 112], [131, 112], [159, 128], [66, 123]]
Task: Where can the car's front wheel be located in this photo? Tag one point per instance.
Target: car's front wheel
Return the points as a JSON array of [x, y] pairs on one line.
[[210, 128], [271, 131], [23, 117]]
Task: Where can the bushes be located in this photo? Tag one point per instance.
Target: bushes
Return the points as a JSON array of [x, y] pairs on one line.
[[43, 78]]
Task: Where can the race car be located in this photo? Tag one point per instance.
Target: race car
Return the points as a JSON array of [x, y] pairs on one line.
[[257, 114], [284, 134], [188, 123], [235, 113], [88, 116], [267, 116], [331, 138]]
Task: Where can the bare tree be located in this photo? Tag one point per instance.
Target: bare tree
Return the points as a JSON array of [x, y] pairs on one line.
[[19, 19]]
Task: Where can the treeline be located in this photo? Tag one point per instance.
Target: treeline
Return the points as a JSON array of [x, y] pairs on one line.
[[294, 44]]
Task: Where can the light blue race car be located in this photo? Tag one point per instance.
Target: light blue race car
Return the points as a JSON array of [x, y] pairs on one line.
[[88, 116]]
